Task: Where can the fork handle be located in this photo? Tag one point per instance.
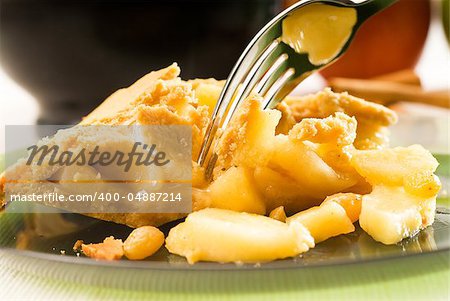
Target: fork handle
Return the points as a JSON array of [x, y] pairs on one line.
[[371, 8]]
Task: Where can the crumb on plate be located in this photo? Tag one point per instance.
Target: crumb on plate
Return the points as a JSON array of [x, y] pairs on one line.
[[109, 249]]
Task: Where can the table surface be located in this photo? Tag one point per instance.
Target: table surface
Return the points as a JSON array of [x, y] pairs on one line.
[[424, 277]]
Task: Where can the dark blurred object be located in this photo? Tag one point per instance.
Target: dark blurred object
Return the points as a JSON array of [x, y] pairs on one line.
[[71, 54]]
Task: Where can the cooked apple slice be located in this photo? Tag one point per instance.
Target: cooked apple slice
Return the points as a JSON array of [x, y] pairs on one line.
[[390, 214], [281, 190], [351, 202], [300, 162], [235, 190], [207, 92], [403, 199], [248, 139], [227, 236], [392, 166], [324, 221], [423, 183]]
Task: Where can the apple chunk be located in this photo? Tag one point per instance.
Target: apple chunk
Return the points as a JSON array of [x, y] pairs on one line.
[[248, 139], [299, 161], [393, 166], [207, 92], [235, 190], [403, 199], [351, 202], [324, 221], [390, 214], [228, 236], [281, 190]]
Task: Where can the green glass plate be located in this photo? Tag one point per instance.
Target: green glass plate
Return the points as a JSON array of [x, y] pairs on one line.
[[31, 235], [51, 236]]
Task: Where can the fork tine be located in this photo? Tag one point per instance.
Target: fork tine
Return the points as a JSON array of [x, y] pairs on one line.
[[258, 71], [210, 166], [277, 86], [265, 82], [252, 78], [250, 61], [285, 89]]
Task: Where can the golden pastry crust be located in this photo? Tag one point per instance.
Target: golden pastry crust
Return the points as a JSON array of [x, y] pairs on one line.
[[119, 107], [333, 136], [372, 118], [159, 98], [339, 129], [235, 134], [161, 115], [136, 220], [109, 249], [245, 140], [287, 120], [207, 81], [326, 103]]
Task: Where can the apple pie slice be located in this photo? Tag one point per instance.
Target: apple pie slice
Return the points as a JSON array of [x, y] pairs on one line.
[[325, 153]]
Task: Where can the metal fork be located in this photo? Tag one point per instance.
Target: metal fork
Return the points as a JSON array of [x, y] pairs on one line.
[[272, 69]]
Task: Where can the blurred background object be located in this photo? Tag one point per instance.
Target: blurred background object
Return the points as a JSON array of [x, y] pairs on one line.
[[445, 17], [379, 65], [71, 54], [390, 41]]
